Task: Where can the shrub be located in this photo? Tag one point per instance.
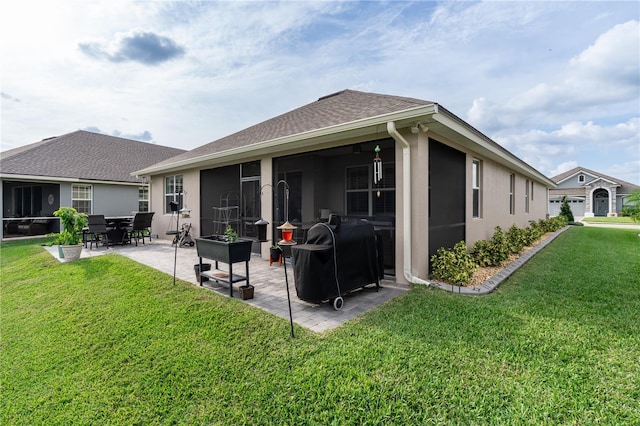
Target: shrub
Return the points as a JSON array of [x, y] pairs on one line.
[[555, 223], [565, 210], [516, 239], [481, 252], [453, 265], [532, 233], [492, 252], [632, 206]]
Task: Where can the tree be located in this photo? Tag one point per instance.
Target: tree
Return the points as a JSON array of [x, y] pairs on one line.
[[632, 205], [565, 210]]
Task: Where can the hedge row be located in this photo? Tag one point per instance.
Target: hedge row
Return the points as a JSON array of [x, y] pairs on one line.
[[457, 265]]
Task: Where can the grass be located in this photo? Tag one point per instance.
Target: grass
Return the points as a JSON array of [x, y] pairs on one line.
[[616, 219], [108, 341]]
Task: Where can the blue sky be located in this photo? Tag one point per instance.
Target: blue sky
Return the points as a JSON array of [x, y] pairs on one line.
[[556, 83]]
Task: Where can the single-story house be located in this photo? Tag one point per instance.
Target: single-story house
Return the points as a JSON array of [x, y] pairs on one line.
[[88, 171], [589, 193], [438, 181]]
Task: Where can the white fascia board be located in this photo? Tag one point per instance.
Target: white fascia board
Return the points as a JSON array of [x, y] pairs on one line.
[[499, 153], [299, 140], [55, 179], [579, 172], [599, 178]]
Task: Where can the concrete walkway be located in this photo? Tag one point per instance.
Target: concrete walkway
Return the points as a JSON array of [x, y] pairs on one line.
[[269, 281]]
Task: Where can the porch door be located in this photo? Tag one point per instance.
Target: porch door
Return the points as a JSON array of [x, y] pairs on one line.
[[446, 196], [600, 202], [250, 206]]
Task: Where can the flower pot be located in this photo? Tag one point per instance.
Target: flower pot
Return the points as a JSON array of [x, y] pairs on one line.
[[274, 255], [246, 292], [69, 253]]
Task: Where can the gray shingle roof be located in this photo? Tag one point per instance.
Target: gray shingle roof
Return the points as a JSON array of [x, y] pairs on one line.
[[625, 187], [339, 108], [84, 155]]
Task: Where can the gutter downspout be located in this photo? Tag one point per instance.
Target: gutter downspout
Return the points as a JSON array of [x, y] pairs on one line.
[[406, 203]]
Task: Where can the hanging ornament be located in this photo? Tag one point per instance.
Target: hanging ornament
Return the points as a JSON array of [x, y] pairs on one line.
[[377, 169]]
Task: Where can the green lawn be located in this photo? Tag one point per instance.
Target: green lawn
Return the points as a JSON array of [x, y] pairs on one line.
[[617, 219], [107, 341]]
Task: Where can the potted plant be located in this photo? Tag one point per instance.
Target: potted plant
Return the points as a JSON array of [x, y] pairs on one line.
[[230, 234], [69, 239], [275, 254]]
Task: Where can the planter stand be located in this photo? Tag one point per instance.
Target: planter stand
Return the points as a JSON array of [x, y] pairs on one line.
[[225, 252], [275, 259]]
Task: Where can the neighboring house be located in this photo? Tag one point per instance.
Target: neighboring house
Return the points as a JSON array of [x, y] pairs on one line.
[[442, 180], [85, 170], [589, 193]]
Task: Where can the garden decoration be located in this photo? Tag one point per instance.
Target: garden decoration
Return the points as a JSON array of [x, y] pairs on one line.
[[287, 236], [377, 168]]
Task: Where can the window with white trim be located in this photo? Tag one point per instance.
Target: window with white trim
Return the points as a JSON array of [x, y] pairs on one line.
[[512, 193], [143, 198], [476, 176], [526, 196], [81, 197], [172, 192]]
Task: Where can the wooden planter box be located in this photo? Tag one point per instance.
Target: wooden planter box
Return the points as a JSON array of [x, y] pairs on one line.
[[218, 250]]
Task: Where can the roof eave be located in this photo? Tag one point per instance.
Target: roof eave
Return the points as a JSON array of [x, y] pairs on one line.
[[299, 140], [57, 179], [488, 147]]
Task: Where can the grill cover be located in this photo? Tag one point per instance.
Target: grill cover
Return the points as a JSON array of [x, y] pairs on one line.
[[356, 252]]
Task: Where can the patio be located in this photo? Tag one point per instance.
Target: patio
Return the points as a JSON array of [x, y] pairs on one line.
[[269, 282]]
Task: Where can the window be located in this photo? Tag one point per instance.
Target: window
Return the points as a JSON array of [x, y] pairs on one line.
[[531, 191], [143, 198], [172, 192], [476, 188], [81, 197], [512, 189], [364, 198], [581, 178], [526, 196]]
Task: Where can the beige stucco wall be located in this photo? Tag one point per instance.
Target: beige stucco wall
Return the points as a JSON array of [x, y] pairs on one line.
[[162, 222], [494, 199]]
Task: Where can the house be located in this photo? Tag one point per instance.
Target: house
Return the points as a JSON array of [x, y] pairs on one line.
[[85, 170], [442, 180], [589, 193]]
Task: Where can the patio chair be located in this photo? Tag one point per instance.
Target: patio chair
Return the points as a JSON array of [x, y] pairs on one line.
[[97, 230], [141, 226]]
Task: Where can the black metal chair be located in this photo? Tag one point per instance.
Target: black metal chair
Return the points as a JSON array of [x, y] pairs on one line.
[[141, 226], [97, 230]]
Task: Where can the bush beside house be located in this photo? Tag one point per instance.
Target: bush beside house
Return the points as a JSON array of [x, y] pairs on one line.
[[457, 265]]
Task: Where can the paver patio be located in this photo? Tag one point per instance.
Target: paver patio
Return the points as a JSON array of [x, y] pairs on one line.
[[269, 282]]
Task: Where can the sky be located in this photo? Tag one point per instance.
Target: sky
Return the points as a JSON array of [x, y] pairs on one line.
[[556, 83]]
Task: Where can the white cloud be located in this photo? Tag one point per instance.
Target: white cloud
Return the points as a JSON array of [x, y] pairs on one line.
[[605, 73], [540, 77], [563, 167]]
